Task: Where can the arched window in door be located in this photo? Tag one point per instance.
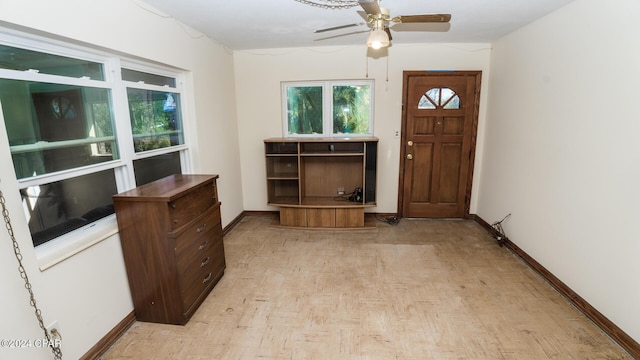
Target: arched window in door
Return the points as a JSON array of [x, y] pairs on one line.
[[439, 98]]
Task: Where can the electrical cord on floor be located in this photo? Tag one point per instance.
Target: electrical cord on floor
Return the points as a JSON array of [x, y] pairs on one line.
[[499, 233], [391, 220]]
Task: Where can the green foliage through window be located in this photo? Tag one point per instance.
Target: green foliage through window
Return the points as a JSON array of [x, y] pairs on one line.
[[351, 109], [328, 108], [304, 109], [155, 121]]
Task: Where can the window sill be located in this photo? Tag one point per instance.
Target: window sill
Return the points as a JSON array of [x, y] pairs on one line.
[[68, 245]]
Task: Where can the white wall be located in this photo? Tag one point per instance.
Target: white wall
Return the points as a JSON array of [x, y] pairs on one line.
[[258, 77], [88, 293], [562, 151]]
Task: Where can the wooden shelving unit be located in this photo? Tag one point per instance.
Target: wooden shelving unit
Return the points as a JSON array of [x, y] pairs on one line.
[[305, 176]]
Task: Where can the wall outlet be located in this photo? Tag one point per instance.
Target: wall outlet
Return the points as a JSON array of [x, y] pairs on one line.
[[53, 330], [396, 133]]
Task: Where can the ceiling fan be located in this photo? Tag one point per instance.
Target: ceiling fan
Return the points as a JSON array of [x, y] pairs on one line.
[[378, 19]]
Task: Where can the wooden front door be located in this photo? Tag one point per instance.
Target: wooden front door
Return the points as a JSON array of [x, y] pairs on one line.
[[439, 122]]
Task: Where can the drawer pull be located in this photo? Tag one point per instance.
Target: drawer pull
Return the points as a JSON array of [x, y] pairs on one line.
[[204, 245], [206, 279], [205, 261], [201, 228]]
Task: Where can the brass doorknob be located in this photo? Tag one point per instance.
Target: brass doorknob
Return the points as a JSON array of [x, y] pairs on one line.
[[409, 156], [409, 143]]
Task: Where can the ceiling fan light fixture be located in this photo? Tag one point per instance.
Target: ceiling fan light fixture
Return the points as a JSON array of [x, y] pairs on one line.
[[378, 39]]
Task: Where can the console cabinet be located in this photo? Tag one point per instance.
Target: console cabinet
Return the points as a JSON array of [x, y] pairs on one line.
[[171, 238], [315, 182]]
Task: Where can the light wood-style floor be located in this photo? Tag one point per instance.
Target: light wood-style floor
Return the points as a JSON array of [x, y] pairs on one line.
[[422, 289]]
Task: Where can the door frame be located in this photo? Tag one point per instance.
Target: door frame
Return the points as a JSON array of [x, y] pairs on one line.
[[474, 132]]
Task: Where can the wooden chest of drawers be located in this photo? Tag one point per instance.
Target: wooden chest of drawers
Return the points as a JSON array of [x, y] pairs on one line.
[[171, 239]]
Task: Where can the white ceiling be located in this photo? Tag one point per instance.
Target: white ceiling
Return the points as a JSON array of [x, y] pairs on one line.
[[261, 24]]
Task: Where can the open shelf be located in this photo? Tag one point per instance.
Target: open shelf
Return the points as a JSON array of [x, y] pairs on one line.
[[283, 191], [330, 148], [281, 147], [282, 167]]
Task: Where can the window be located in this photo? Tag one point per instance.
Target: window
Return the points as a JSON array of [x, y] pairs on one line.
[[55, 127], [328, 108], [439, 98], [152, 168], [153, 111], [155, 121], [73, 145], [59, 207]]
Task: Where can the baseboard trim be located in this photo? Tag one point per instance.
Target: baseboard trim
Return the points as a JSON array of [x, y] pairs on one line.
[[261, 213], [232, 224], [606, 325], [108, 340], [239, 218]]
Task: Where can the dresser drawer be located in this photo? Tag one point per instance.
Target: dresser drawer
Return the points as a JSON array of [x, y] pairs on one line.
[[196, 235], [199, 248], [199, 255], [202, 274], [186, 208]]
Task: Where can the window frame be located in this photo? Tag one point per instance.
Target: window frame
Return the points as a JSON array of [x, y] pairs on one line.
[[125, 126], [327, 107], [62, 247]]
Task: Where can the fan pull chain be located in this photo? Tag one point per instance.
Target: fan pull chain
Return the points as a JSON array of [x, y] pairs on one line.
[[387, 72], [366, 66], [53, 344]]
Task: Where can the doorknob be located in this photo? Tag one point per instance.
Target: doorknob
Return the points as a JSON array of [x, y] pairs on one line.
[[409, 156], [409, 143]]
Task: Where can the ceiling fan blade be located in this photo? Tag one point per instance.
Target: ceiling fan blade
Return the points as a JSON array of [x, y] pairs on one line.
[[427, 18], [338, 27], [341, 35], [370, 6]]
